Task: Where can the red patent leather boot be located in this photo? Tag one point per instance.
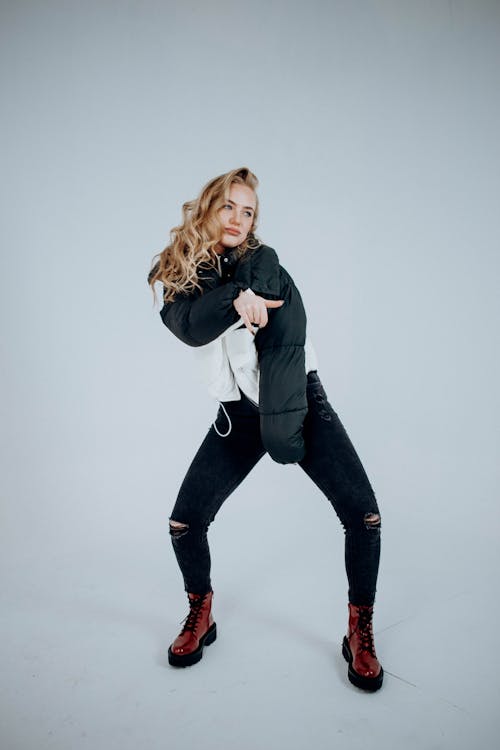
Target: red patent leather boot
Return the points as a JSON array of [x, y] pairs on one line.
[[358, 648], [199, 630]]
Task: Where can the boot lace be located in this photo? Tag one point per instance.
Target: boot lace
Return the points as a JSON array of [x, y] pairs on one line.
[[365, 630], [193, 617]]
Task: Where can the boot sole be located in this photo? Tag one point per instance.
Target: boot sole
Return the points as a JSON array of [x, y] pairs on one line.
[[365, 683], [186, 660]]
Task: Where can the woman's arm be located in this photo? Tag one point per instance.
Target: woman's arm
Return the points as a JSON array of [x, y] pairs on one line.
[[197, 319]]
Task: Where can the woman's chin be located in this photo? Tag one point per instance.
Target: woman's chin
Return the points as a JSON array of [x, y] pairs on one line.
[[230, 240]]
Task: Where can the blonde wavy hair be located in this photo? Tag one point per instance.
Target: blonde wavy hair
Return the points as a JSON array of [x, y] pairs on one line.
[[192, 243]]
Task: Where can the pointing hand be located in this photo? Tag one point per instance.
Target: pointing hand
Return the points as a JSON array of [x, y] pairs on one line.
[[253, 309]]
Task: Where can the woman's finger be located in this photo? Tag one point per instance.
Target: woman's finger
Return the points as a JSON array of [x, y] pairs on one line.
[[248, 323], [254, 311], [258, 317]]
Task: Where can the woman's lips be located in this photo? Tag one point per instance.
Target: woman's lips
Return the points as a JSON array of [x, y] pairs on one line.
[[232, 231]]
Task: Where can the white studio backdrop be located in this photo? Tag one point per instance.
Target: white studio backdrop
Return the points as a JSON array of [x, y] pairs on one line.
[[373, 129]]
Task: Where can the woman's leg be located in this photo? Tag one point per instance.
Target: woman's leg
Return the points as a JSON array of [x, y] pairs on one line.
[[334, 466], [219, 466]]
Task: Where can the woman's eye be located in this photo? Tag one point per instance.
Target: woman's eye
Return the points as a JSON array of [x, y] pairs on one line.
[[228, 205]]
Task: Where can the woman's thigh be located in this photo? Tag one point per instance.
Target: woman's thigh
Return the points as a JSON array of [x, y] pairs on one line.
[[331, 460], [220, 464]]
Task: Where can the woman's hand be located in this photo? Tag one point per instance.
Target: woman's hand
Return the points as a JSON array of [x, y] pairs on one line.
[[253, 309]]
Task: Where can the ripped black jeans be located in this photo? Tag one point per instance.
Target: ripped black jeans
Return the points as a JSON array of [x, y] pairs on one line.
[[221, 464]]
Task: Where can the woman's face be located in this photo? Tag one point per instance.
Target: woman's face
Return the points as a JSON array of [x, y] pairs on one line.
[[236, 216]]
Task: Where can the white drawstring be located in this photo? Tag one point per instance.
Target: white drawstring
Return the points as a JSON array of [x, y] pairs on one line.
[[230, 425]]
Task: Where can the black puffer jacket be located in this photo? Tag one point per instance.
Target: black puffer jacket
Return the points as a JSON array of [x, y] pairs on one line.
[[198, 318]]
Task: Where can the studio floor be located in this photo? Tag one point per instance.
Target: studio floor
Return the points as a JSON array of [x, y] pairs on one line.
[[85, 637]]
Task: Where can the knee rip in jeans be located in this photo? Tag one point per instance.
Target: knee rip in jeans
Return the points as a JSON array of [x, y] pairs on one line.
[[178, 529], [372, 520]]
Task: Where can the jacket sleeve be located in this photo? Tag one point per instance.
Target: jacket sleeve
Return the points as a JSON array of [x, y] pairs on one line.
[[283, 380], [197, 319]]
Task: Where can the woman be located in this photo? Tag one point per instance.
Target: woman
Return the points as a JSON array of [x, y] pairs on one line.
[[226, 294]]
